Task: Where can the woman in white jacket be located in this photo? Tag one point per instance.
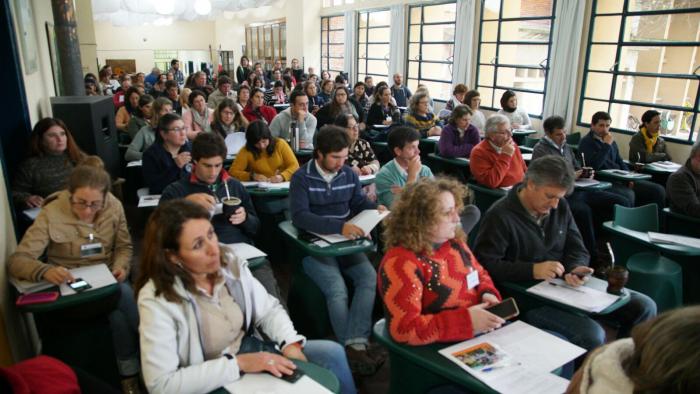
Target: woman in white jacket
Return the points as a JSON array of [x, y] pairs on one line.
[[199, 305]]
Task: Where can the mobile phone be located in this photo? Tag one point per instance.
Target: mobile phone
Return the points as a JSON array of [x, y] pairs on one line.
[[506, 309], [37, 298], [307, 237], [294, 376], [79, 285], [582, 275]]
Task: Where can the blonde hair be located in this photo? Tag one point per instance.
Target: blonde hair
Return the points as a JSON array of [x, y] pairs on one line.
[[184, 98], [417, 210]]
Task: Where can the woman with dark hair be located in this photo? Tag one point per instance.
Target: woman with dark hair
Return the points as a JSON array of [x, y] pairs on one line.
[[228, 119], [289, 84], [264, 158], [518, 118], [420, 116], [52, 155], [258, 82], [201, 309], [339, 105], [459, 137], [243, 70], [256, 108], [80, 226], [383, 111], [458, 97], [199, 117], [147, 135], [326, 91], [141, 116], [243, 97], [647, 146], [361, 157], [124, 113], [168, 159], [325, 75], [473, 100], [315, 102]]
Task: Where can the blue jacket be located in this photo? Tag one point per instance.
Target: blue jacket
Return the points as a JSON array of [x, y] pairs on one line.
[[599, 155], [322, 207], [159, 168]]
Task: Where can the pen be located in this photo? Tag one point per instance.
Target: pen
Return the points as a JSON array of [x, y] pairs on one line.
[[566, 287]]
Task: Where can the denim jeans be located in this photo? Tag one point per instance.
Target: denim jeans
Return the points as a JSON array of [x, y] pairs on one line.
[[124, 324], [584, 331], [350, 324], [331, 355]]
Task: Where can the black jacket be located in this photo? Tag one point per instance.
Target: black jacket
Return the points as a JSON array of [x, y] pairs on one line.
[[683, 191], [510, 241], [159, 168]]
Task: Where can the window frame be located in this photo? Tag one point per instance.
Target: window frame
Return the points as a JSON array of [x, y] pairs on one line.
[[615, 72], [498, 43], [328, 44], [367, 43], [421, 42]]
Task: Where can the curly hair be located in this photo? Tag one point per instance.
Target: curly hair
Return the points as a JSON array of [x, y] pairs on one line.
[[417, 210]]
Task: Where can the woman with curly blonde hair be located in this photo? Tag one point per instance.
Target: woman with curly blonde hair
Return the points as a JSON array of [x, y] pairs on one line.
[[422, 276]]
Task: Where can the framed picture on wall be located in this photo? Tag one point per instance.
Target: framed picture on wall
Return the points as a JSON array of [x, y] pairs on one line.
[[53, 54]]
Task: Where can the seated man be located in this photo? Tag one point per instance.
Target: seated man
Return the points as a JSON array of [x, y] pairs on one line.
[[496, 161], [600, 152], [207, 186], [223, 91], [405, 168], [530, 234], [683, 186], [324, 193], [297, 113], [583, 202]]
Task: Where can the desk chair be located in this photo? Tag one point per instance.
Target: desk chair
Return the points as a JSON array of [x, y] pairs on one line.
[[678, 223], [530, 142]]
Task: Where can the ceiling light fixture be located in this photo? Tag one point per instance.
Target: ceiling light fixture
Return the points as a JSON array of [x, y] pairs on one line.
[[202, 7]]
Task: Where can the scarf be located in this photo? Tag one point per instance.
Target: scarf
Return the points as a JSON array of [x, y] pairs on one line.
[[202, 121], [649, 142]]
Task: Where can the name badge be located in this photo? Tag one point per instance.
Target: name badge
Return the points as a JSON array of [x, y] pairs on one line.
[[472, 279], [90, 249]]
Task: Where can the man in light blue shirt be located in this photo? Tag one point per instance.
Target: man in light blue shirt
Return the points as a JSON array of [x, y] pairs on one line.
[[406, 166]]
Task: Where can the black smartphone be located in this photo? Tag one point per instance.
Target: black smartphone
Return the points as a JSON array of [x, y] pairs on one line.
[[583, 275], [79, 285], [506, 309], [307, 237], [296, 375]]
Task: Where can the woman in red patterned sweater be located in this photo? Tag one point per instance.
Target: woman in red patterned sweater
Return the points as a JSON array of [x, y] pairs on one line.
[[433, 288]]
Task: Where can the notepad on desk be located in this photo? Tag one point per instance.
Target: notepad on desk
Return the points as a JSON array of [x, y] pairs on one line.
[[585, 182], [272, 185], [366, 220], [265, 383], [517, 358], [32, 213], [135, 163], [674, 239], [149, 201], [589, 297], [246, 251], [97, 276], [623, 173], [368, 177]]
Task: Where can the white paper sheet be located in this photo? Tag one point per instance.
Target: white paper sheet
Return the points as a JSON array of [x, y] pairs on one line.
[[369, 177], [97, 276], [250, 183], [270, 185], [674, 239], [234, 142], [665, 165], [135, 163], [435, 138], [626, 173], [150, 200], [366, 220], [588, 297], [585, 182], [246, 251], [527, 156], [26, 287], [32, 213], [263, 383], [532, 354]]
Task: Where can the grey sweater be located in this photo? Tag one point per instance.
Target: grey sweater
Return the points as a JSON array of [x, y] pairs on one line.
[[40, 176], [546, 147], [280, 127]]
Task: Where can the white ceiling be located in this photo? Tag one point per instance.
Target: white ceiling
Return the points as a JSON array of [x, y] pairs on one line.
[[164, 12]]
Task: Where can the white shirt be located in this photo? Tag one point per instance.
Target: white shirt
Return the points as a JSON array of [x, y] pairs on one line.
[[327, 176]]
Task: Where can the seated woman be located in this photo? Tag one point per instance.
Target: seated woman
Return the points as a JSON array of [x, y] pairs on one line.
[[277, 95], [458, 98], [433, 288], [361, 157], [256, 108], [200, 306], [424, 89], [228, 119], [124, 113], [81, 226], [647, 146], [375, 97], [53, 154], [147, 135], [327, 86], [518, 118], [264, 158], [184, 99], [339, 105], [198, 118], [141, 116], [473, 100], [315, 102], [660, 357], [419, 116], [243, 97], [383, 111], [459, 137], [168, 159]]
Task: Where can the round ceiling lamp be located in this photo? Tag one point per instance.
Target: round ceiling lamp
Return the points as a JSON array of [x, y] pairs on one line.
[[164, 7], [202, 7]]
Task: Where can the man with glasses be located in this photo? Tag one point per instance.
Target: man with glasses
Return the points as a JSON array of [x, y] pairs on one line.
[[496, 161]]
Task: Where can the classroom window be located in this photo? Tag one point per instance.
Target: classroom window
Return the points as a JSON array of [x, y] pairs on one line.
[[515, 42], [162, 58], [266, 42], [332, 44], [373, 36], [431, 43], [644, 55]]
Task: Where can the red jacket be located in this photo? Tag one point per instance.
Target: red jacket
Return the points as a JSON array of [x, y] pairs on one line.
[[264, 112], [42, 374], [494, 169], [427, 299]]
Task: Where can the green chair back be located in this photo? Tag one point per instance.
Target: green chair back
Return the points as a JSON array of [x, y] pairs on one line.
[[573, 138], [678, 223], [530, 142], [644, 218]]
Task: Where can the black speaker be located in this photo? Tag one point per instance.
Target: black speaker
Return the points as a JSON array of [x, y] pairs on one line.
[[91, 121]]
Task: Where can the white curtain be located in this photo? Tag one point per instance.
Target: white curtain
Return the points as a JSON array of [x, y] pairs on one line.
[[563, 61], [350, 45], [464, 42], [397, 55]]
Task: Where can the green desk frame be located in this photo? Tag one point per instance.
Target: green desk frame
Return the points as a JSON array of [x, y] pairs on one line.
[[449, 165], [678, 223]]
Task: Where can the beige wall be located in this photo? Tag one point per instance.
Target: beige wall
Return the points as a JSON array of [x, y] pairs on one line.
[[86, 35]]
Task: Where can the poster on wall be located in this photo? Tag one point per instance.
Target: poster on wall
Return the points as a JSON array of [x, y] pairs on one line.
[[25, 26]]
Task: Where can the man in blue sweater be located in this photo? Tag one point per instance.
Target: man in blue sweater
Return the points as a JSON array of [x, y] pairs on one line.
[[324, 193], [600, 151]]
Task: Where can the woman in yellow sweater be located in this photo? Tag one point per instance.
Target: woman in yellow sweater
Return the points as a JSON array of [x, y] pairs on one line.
[[264, 158]]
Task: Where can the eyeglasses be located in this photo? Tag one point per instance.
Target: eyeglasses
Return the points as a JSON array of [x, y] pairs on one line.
[[94, 206], [177, 129]]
